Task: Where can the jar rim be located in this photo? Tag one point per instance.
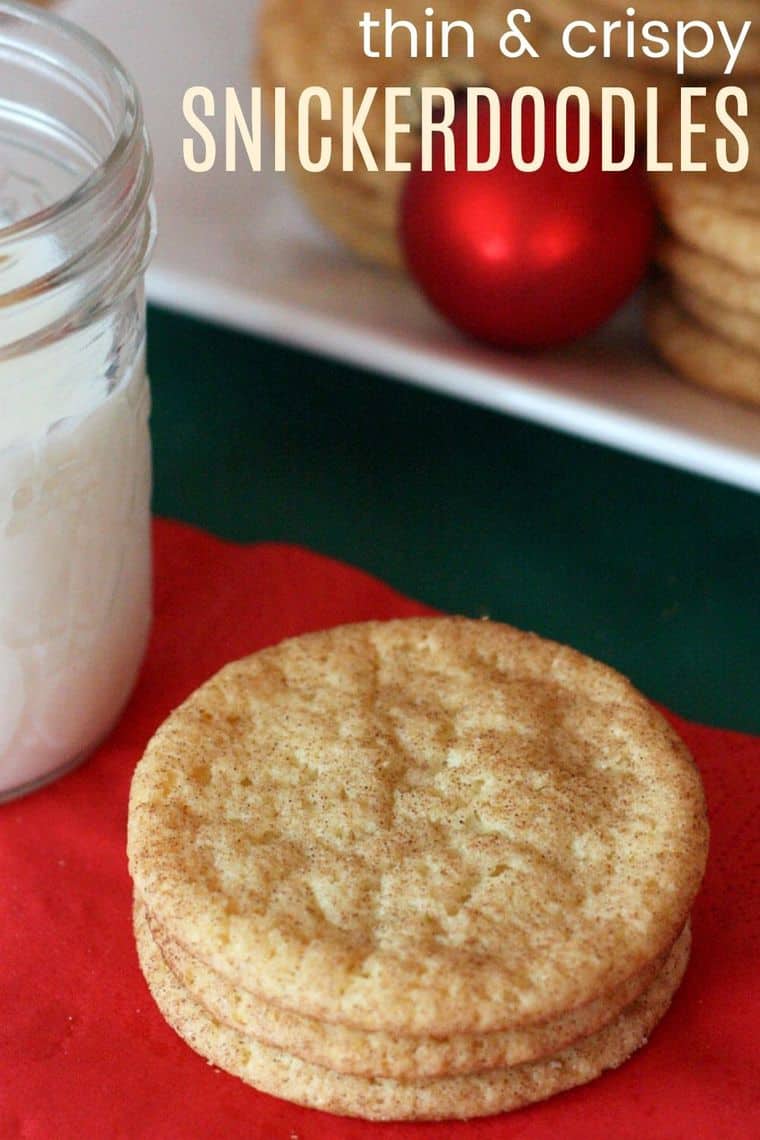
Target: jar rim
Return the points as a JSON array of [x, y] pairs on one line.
[[131, 126], [72, 257]]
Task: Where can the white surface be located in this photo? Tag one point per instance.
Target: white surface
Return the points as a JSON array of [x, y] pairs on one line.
[[238, 248]]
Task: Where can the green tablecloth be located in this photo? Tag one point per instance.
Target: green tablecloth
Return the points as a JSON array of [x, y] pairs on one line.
[[647, 568]]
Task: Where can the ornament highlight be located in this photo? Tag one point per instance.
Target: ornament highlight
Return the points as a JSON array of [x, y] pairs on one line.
[[527, 259]]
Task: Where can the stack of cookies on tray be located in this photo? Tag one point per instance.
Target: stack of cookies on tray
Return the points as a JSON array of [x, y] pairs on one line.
[[320, 43], [704, 313], [419, 869]]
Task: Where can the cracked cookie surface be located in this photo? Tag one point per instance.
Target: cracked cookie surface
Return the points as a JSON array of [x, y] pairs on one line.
[[429, 826]]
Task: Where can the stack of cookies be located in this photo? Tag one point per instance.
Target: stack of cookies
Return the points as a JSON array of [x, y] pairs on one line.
[[704, 312], [320, 43], [420, 869]]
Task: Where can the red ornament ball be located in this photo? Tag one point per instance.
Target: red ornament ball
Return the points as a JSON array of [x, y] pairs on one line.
[[527, 260]]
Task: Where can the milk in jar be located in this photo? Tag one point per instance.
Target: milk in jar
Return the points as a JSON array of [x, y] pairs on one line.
[[76, 231]]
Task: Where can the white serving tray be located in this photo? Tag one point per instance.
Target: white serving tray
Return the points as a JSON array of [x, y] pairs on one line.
[[239, 249]]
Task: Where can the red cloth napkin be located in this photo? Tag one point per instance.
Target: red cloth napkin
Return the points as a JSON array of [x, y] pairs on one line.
[[84, 1054]]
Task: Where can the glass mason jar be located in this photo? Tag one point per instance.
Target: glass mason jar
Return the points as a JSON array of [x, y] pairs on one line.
[[76, 232]]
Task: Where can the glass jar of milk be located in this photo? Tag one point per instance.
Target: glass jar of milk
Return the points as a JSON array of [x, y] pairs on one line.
[[76, 232]]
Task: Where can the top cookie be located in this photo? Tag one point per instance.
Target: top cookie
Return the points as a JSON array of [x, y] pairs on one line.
[[430, 826]]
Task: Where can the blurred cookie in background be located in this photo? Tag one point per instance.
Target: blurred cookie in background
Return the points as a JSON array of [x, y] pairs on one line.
[[713, 279], [707, 55], [704, 315], [698, 354], [321, 43]]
